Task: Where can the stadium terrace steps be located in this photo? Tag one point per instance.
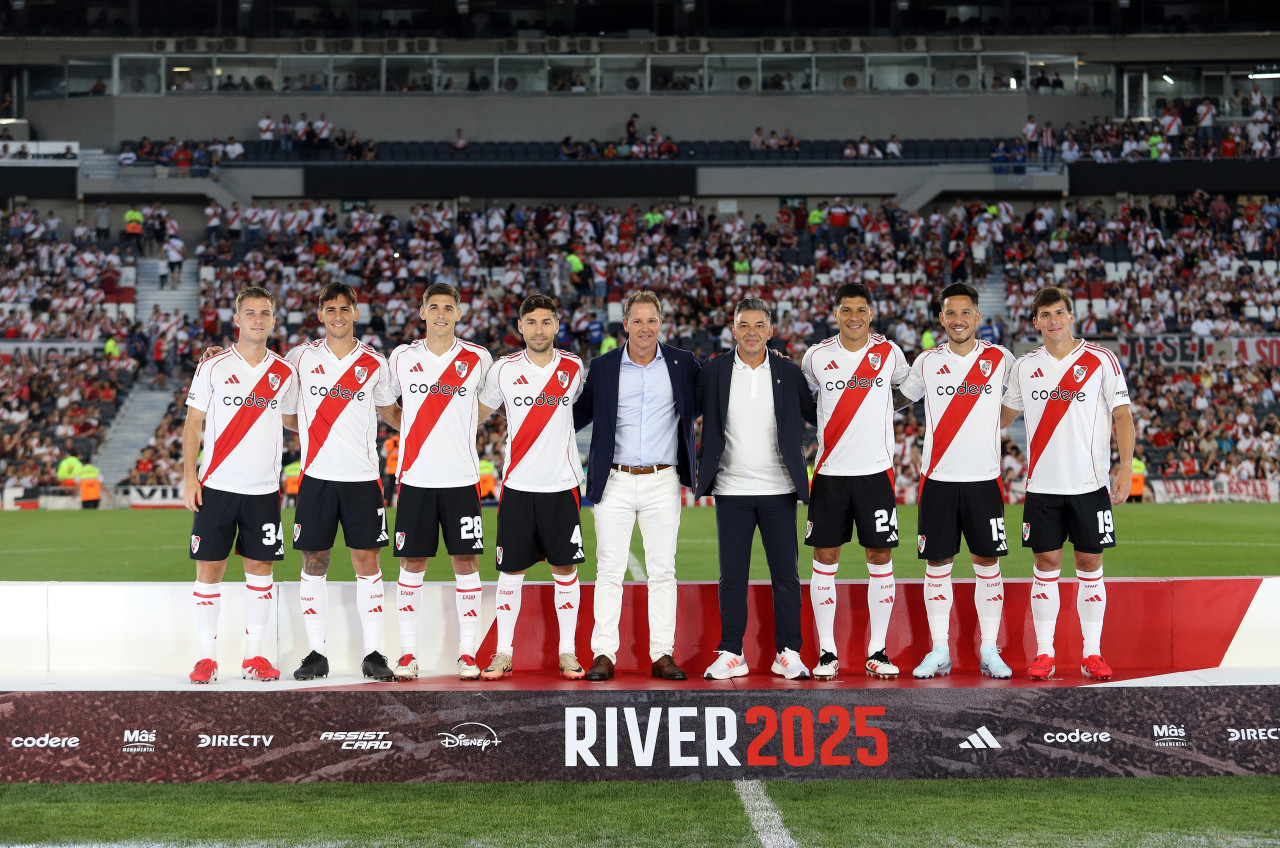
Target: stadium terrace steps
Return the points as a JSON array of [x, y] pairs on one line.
[[131, 432], [185, 300]]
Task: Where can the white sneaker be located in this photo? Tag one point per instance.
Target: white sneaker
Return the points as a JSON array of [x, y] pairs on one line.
[[467, 668], [936, 663], [878, 665], [827, 668], [992, 665], [726, 665], [406, 667], [788, 664]]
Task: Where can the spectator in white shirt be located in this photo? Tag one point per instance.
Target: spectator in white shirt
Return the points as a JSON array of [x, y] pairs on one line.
[[234, 149], [266, 128], [1205, 113], [893, 150], [127, 157]]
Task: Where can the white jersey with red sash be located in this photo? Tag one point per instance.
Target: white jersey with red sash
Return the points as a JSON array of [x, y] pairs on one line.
[[542, 453], [1067, 403], [962, 397], [338, 410], [855, 404], [439, 395], [243, 426]]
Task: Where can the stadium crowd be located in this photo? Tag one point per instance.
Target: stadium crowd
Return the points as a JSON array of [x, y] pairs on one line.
[[1194, 264]]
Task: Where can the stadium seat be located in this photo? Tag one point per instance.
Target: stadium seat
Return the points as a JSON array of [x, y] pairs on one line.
[[502, 151], [910, 149], [713, 150], [486, 151], [415, 151]]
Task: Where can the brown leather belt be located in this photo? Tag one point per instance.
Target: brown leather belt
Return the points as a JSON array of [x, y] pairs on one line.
[[640, 469]]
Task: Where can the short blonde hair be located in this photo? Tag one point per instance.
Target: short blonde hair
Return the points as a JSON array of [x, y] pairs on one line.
[[642, 296], [255, 292]]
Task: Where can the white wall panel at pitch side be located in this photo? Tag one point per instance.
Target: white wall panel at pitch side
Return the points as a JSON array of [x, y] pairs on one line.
[[1254, 645], [24, 628], [142, 628]]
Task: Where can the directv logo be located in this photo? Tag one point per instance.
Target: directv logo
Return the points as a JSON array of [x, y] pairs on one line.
[[981, 739]]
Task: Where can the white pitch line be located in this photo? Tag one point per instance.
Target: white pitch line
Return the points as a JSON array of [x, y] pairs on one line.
[[636, 569], [766, 821]]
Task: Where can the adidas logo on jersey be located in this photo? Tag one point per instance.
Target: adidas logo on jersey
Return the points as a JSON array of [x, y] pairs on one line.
[[996, 598], [1107, 540], [505, 608], [944, 370], [407, 609], [937, 598], [827, 601], [981, 740], [232, 379], [1040, 597], [566, 605], [523, 381], [470, 614], [309, 611], [479, 545], [416, 368], [887, 600], [382, 537], [831, 366], [1096, 599], [378, 608], [1039, 372], [319, 369], [893, 537]]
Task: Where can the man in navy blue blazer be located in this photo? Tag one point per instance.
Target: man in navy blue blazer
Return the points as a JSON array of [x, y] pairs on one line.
[[640, 398], [754, 408]]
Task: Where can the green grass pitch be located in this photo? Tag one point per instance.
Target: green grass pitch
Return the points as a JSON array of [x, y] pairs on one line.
[[1068, 813], [1154, 541]]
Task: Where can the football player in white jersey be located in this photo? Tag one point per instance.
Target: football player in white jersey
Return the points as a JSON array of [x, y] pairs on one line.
[[238, 399], [1072, 393], [539, 516], [962, 382], [853, 376], [438, 379], [345, 387]]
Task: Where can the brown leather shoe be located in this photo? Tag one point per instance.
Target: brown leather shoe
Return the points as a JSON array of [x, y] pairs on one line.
[[601, 669], [666, 668]]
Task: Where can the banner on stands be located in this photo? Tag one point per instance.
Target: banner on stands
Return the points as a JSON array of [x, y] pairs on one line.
[[155, 497], [1215, 491], [1194, 350], [384, 734], [43, 351]]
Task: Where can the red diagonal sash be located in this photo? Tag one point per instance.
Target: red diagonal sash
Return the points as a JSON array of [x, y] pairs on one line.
[[434, 405], [850, 401], [1055, 410], [246, 416], [331, 407], [536, 421], [953, 417]]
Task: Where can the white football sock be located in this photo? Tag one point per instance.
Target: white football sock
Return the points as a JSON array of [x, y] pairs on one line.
[[1045, 603], [988, 597], [822, 594], [1091, 604], [937, 603], [509, 588], [879, 604], [208, 599], [369, 592], [568, 597], [467, 598], [257, 611], [410, 606], [313, 598]]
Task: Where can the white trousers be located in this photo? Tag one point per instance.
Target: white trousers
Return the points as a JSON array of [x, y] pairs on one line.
[[653, 500]]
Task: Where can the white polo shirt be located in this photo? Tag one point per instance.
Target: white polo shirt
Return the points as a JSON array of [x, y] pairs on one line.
[[752, 462]]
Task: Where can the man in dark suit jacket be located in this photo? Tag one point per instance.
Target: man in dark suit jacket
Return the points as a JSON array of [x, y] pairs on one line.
[[754, 408], [640, 397]]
